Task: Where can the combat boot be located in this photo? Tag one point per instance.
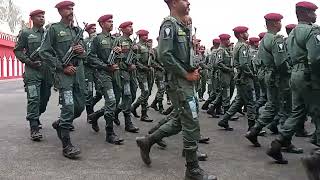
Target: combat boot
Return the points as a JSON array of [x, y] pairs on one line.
[[39, 124], [69, 150], [292, 149], [162, 144], [160, 107], [89, 110], [168, 111], [145, 144], [154, 105], [275, 152], [55, 125], [303, 133], [111, 137], [129, 126], [311, 165], [94, 119], [116, 117], [219, 110], [201, 156], [204, 140], [205, 106], [224, 122], [35, 134], [252, 136], [134, 110], [194, 172], [273, 128], [145, 117], [211, 111]]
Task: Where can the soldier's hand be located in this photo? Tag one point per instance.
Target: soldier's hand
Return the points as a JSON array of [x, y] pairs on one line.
[[132, 67], [78, 49], [35, 64], [114, 67], [69, 70], [193, 76], [117, 49]]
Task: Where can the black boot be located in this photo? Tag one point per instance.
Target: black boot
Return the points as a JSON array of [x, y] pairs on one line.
[[39, 124], [145, 144], [89, 110], [55, 125], [194, 172], [205, 106], [154, 105], [35, 134], [204, 140], [224, 122], [168, 111], [252, 136], [116, 117], [94, 119], [129, 126], [162, 143], [201, 156], [292, 149], [219, 110], [69, 150], [211, 111], [145, 117], [111, 137], [134, 110], [311, 165], [275, 152], [303, 133], [273, 128]]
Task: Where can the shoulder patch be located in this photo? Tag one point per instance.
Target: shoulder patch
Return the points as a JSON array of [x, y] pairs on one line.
[[167, 32], [317, 38], [219, 55], [281, 47]]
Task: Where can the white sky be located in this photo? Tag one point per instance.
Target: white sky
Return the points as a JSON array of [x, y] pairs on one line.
[[211, 17]]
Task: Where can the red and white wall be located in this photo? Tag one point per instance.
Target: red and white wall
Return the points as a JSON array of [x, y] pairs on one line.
[[10, 66]]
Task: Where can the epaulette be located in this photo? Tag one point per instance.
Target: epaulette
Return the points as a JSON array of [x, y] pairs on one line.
[[169, 18]]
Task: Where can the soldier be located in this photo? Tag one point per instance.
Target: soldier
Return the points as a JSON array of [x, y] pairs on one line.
[[244, 80], [212, 74], [159, 79], [151, 61], [260, 75], [69, 77], [203, 74], [175, 52], [253, 53], [143, 69], [303, 47], [272, 52], [88, 71], [37, 77]]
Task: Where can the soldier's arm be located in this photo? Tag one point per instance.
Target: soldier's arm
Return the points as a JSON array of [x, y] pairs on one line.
[[19, 49], [166, 50], [47, 52], [221, 65], [93, 56], [244, 60], [278, 50], [313, 45]]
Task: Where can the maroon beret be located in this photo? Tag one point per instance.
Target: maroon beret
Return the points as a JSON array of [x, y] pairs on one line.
[[253, 40], [240, 29], [307, 5], [105, 18], [273, 17], [125, 24], [261, 35], [64, 4], [291, 26], [36, 12], [89, 26], [142, 32], [216, 41], [224, 37]]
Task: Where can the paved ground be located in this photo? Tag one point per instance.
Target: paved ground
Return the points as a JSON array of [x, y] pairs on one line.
[[230, 155]]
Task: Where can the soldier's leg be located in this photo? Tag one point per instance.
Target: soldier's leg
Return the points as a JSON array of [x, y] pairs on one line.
[[143, 84], [203, 85], [160, 94], [98, 95], [89, 92], [263, 93]]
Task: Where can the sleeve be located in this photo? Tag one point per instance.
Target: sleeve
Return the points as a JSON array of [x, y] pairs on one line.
[[19, 49], [166, 50], [244, 60], [279, 50], [313, 46], [47, 52], [93, 56], [221, 65]]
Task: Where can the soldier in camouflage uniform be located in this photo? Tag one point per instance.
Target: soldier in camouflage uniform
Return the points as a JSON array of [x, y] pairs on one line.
[[260, 75], [253, 54], [151, 78], [37, 76], [303, 46], [203, 74], [175, 52], [69, 78], [143, 71]]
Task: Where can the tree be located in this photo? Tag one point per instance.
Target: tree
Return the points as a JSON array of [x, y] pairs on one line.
[[11, 14]]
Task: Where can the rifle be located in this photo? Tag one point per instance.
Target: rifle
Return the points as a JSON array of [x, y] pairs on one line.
[[35, 53], [131, 53], [70, 54], [151, 72], [112, 55]]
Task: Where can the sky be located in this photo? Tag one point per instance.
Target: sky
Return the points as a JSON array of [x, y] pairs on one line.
[[211, 17]]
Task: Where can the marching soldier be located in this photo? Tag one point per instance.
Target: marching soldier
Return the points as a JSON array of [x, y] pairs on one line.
[[69, 77], [175, 53], [151, 64], [142, 73], [260, 74], [37, 76], [203, 74], [253, 53]]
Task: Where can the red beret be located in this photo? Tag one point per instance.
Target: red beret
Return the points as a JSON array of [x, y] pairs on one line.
[[240, 29], [142, 32], [307, 5], [273, 17], [253, 40], [89, 26], [125, 24], [36, 12], [105, 18], [261, 35], [64, 4], [224, 37], [291, 26], [216, 41]]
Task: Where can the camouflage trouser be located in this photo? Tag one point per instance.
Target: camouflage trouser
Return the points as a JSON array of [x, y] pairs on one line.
[[37, 85], [303, 99], [225, 89], [160, 85], [143, 85], [182, 94], [209, 82], [125, 92], [263, 89], [203, 82], [71, 96], [89, 79]]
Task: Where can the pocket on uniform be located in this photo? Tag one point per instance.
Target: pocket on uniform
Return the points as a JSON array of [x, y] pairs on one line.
[[193, 107], [111, 95], [32, 91], [68, 98]]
